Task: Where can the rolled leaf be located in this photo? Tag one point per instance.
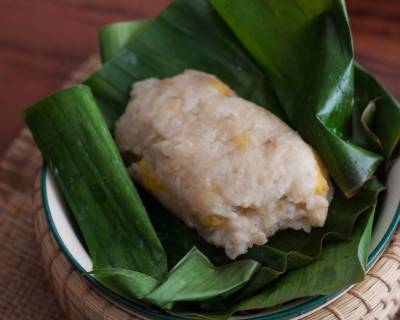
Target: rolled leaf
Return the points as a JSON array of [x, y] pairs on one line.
[[74, 140], [384, 124], [362, 119]]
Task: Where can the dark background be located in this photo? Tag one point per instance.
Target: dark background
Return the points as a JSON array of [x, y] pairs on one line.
[[43, 41]]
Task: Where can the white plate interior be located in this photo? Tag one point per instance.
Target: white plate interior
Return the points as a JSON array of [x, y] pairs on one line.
[[63, 224], [389, 206]]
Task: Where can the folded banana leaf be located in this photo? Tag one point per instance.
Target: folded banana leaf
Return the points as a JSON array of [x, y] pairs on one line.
[[73, 138], [309, 62], [194, 278], [144, 54], [380, 115], [332, 108], [128, 283], [294, 60]]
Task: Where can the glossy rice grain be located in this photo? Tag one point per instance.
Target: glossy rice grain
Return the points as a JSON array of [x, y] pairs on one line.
[[227, 167]]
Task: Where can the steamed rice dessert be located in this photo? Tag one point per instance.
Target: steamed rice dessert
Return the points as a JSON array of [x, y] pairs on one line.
[[228, 168]]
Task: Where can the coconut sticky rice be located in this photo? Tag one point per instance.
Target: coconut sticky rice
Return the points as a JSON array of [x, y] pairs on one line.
[[228, 168]]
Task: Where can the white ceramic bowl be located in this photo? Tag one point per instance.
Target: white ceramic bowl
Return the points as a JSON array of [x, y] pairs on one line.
[[62, 227]]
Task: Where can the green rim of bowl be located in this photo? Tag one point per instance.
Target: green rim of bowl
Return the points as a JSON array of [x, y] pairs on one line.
[[295, 311]]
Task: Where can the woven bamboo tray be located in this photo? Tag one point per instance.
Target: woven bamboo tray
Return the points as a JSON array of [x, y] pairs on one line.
[[377, 297]]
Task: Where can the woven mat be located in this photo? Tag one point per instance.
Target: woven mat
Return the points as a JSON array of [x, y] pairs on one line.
[[25, 292]]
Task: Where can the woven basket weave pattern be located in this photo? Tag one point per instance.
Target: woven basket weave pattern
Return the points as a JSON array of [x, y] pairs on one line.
[[377, 297]]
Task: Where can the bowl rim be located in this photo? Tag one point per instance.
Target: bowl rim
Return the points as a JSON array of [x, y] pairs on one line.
[[291, 313]]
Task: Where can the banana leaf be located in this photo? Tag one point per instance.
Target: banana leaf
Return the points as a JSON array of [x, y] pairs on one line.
[[302, 71], [72, 136], [325, 275], [194, 278], [128, 283]]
